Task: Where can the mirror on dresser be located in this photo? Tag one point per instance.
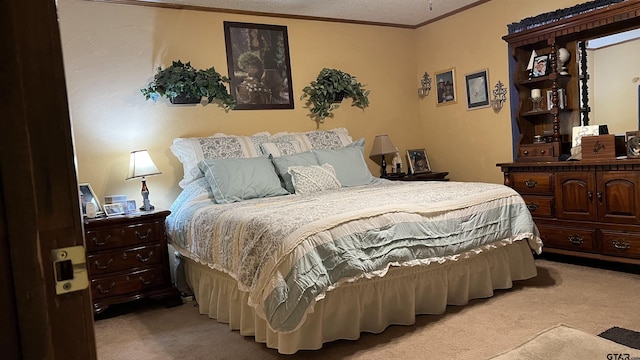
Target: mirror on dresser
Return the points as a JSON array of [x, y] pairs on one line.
[[612, 65]]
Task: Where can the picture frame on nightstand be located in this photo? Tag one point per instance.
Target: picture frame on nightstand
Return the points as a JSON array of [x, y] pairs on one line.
[[114, 209], [418, 161], [88, 196]]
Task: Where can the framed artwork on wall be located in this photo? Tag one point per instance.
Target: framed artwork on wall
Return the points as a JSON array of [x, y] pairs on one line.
[[418, 161], [477, 89], [446, 81], [259, 66]]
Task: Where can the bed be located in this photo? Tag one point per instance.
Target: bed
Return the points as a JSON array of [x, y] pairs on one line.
[[292, 241]]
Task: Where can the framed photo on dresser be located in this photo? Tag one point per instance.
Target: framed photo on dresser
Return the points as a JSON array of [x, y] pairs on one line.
[[418, 161]]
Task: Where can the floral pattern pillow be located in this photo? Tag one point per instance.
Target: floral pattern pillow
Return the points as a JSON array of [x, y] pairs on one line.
[[318, 139], [314, 178]]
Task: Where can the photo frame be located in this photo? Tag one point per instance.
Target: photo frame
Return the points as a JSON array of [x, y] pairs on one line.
[[562, 99], [114, 209], [446, 87], [259, 66], [540, 66], [477, 89], [131, 206], [88, 196], [418, 161], [633, 144]]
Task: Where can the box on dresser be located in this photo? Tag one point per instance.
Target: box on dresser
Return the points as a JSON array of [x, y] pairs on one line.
[[603, 147]]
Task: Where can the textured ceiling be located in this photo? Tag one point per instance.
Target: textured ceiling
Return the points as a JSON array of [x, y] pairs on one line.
[[404, 13]]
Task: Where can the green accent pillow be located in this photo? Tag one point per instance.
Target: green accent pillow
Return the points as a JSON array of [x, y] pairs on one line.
[[348, 163], [233, 180], [282, 164]]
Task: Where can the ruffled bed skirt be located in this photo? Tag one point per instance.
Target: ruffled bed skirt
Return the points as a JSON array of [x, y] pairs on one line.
[[367, 304]]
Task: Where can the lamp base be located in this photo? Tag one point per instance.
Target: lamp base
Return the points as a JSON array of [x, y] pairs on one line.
[[383, 169]]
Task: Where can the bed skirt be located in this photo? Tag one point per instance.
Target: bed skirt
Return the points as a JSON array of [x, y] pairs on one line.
[[367, 305]]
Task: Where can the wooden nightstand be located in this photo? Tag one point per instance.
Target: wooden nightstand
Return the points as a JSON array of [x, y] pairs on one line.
[[128, 259], [427, 176]]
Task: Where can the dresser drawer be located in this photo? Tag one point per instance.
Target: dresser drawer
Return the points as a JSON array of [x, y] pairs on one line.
[[533, 183], [568, 238], [112, 238], [618, 243], [540, 152], [134, 282], [130, 258], [540, 206]]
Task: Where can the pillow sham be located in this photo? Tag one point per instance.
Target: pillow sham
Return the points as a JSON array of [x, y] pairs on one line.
[[190, 151], [234, 180], [314, 178], [317, 139], [277, 149], [283, 163], [348, 163]]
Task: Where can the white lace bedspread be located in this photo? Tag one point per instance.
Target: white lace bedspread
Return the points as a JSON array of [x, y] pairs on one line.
[[287, 251]]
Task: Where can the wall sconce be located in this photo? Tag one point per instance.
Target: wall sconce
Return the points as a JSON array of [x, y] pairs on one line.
[[426, 86], [499, 97]]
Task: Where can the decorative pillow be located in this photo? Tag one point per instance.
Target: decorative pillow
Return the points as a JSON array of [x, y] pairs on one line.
[[319, 139], [348, 163], [283, 163], [281, 148], [233, 180], [190, 151], [314, 178]]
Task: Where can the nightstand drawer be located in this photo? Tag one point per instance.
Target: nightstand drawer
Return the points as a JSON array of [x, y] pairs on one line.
[[625, 244], [126, 259], [112, 238], [135, 282], [568, 238], [533, 183]]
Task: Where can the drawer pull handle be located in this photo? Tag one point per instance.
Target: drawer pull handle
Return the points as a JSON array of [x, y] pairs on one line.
[[542, 152], [144, 260], [97, 241], [576, 240], [147, 282], [143, 236], [532, 207], [106, 291], [530, 183], [621, 245], [102, 266], [526, 152]]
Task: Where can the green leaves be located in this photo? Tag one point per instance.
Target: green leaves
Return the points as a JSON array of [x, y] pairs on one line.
[[323, 92], [184, 80]]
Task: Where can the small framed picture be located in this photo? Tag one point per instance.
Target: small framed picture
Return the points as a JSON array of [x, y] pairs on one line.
[[477, 89], [540, 66], [418, 161], [88, 196], [131, 206], [633, 144], [114, 209], [562, 98], [446, 81]]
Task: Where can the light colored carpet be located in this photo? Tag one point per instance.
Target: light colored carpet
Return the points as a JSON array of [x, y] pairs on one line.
[[586, 298], [563, 342]]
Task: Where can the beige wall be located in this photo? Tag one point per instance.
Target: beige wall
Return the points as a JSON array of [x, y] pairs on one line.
[[112, 50]]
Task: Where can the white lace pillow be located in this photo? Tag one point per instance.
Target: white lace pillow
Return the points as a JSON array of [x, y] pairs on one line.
[[314, 178], [190, 151]]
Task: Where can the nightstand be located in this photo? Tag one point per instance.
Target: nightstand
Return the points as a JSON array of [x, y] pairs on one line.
[[127, 257], [426, 176]]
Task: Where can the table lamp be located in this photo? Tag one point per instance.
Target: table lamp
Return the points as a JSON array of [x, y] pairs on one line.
[[381, 146], [141, 166]]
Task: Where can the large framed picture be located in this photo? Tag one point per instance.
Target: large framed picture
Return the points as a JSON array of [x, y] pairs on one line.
[[477, 89], [259, 66], [446, 81], [540, 66], [418, 161], [88, 196]]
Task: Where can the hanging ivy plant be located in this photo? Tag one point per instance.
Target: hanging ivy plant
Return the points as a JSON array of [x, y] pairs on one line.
[[329, 88], [183, 81]]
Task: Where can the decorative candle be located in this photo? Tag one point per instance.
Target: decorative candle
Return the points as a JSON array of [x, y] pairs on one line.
[[536, 94]]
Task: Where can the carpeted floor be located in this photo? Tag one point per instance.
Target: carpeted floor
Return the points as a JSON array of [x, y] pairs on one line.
[[587, 298]]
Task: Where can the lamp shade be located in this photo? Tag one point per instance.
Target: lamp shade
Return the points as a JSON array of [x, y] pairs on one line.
[[141, 165], [382, 145]]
